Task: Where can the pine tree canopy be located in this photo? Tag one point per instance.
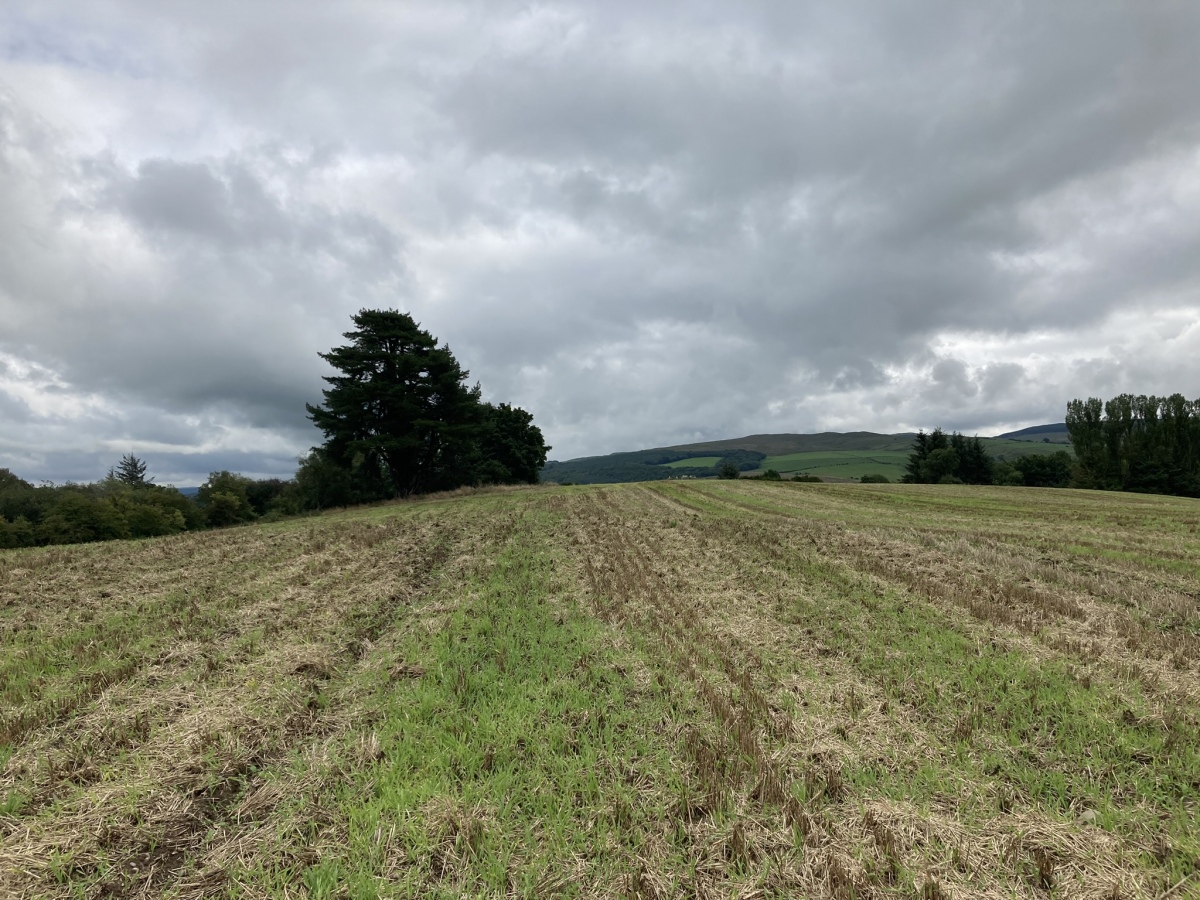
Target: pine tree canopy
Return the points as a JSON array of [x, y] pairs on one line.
[[401, 419]]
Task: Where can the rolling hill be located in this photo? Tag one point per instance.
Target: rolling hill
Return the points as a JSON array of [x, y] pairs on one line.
[[830, 455]]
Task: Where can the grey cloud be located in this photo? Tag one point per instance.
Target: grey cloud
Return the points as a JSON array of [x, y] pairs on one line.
[[646, 223]]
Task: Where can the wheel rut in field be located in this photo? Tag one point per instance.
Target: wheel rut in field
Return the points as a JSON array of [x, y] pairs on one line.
[[735, 772]]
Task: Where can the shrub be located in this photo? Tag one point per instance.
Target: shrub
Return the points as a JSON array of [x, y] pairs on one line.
[[812, 478], [729, 471], [950, 479], [771, 475], [875, 478]]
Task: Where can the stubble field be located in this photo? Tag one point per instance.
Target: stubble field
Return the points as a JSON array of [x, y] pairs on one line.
[[708, 689]]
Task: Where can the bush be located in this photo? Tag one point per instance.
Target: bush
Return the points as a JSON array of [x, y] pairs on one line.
[[18, 533], [1008, 475], [875, 478], [223, 499], [812, 478], [950, 479], [78, 518], [771, 475], [729, 471]]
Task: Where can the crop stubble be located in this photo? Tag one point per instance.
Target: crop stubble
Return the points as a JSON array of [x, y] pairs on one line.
[[843, 691]]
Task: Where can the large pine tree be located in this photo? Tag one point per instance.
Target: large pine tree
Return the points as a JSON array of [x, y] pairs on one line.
[[399, 413]]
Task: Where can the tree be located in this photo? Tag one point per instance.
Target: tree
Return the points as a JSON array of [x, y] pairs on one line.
[[511, 446], [937, 456], [915, 471], [399, 419], [322, 483], [223, 499], [399, 412], [730, 471], [130, 470], [771, 475], [1050, 470], [1137, 443]]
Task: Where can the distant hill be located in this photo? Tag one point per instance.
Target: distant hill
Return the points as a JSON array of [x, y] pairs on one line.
[[831, 455], [1055, 433], [780, 444]]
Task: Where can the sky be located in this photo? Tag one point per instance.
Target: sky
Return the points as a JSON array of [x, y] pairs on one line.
[[647, 224]]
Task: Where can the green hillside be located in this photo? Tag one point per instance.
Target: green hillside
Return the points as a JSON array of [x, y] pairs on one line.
[[839, 463], [829, 455], [782, 444]]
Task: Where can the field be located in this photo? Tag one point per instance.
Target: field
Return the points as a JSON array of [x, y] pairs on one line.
[[853, 464], [696, 461], [839, 463], [684, 688]]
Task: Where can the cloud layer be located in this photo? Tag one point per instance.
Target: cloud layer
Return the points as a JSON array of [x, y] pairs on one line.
[[645, 225]]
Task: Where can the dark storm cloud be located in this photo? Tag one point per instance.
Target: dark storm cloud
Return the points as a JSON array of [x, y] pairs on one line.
[[645, 223]]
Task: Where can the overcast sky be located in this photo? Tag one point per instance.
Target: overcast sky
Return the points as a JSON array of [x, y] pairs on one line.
[[647, 223]]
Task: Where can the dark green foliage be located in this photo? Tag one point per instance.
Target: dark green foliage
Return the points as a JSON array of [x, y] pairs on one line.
[[399, 413], [1137, 443], [110, 509], [808, 478], [510, 445], [322, 484], [729, 471], [974, 464], [1053, 470], [224, 499], [745, 460], [771, 475], [399, 420], [130, 470], [17, 533], [79, 518], [1005, 473], [937, 457], [875, 479], [272, 495]]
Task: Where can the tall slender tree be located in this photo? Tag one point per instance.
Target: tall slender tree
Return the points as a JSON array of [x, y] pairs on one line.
[[130, 470]]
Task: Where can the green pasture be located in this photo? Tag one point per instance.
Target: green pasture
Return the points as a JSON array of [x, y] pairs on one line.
[[698, 462], [1012, 449], [839, 463]]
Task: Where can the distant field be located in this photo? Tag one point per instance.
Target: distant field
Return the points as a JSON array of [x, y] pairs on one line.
[[670, 689], [839, 463], [857, 463], [697, 461], [1013, 449]]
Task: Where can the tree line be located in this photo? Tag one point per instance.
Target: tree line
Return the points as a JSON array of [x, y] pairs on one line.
[[1137, 443], [125, 504], [398, 419], [1141, 443], [940, 458]]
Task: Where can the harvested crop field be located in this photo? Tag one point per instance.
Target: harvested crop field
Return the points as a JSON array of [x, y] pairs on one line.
[[707, 689]]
